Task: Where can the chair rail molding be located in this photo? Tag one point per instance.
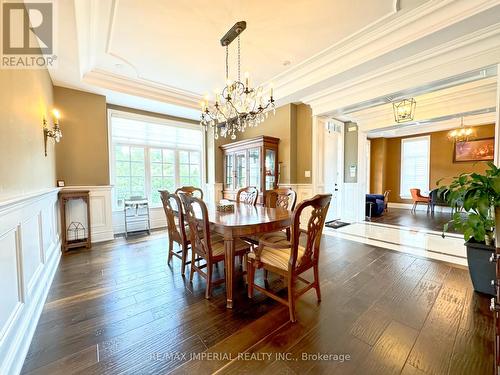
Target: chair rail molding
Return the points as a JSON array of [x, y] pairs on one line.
[[101, 218], [30, 249]]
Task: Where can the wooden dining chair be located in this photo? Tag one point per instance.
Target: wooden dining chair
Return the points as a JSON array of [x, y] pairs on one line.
[[191, 190], [284, 198], [177, 231], [247, 195], [281, 198], [203, 244], [292, 258]]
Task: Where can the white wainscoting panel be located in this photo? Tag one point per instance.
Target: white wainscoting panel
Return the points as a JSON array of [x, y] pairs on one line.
[[30, 249], [304, 191], [156, 216], [350, 199], [101, 218], [9, 282], [213, 192]]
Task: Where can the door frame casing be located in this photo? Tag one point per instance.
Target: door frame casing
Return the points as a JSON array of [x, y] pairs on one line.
[[318, 159]]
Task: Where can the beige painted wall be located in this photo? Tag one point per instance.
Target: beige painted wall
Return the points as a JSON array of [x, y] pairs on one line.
[[304, 144], [385, 155], [292, 124], [350, 151], [25, 97], [83, 157]]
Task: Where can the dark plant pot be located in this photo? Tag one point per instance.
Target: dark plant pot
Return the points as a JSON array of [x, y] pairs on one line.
[[481, 270]]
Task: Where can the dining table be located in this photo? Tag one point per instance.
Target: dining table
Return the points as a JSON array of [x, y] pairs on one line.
[[245, 220]]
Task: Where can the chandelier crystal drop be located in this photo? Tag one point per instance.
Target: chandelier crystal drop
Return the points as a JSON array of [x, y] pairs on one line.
[[237, 106]]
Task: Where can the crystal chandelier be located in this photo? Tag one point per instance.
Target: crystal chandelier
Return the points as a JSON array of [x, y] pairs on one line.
[[461, 134], [237, 105]]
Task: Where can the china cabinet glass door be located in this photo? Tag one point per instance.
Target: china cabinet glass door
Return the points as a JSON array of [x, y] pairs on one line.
[[240, 170], [229, 171], [270, 165], [254, 167]]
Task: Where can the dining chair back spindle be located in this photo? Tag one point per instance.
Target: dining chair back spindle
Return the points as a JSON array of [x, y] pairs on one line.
[[247, 195], [190, 190]]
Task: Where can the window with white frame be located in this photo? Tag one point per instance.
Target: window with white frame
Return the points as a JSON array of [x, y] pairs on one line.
[[149, 154], [415, 165]]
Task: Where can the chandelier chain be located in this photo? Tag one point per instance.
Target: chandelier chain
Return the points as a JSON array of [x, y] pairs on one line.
[[227, 63], [239, 58], [238, 105]]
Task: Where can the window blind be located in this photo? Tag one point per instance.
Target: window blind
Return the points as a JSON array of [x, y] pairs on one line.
[[148, 133], [415, 165]]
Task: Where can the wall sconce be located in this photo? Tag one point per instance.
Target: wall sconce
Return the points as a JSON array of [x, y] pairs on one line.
[[404, 110], [55, 132]]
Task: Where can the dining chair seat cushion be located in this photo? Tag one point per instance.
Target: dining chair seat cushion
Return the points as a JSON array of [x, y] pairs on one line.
[[276, 257], [276, 236], [218, 247]]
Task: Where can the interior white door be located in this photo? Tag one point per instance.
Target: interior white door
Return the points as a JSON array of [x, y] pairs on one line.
[[331, 171]]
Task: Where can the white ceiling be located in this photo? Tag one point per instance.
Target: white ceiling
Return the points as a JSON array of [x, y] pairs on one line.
[[163, 56], [470, 97], [173, 46], [176, 43]]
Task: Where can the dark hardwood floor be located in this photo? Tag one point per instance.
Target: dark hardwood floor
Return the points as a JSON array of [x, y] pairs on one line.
[[119, 309], [420, 219]]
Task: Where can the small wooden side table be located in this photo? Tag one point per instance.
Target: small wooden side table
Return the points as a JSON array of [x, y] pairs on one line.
[[64, 197]]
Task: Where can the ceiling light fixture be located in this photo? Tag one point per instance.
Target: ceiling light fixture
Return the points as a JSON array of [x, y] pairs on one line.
[[237, 105], [404, 110], [461, 134]]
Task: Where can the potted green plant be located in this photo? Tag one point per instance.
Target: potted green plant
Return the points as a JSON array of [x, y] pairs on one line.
[[478, 195]]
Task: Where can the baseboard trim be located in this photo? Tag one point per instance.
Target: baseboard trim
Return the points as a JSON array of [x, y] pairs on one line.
[[420, 207], [29, 316]]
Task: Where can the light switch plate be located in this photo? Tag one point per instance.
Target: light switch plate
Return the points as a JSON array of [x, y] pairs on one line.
[[307, 174]]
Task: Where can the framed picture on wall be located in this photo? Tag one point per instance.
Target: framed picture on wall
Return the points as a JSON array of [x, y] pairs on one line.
[[476, 150]]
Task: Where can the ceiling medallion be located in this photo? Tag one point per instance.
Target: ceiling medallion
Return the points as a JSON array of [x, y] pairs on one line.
[[461, 134], [237, 105], [404, 110]]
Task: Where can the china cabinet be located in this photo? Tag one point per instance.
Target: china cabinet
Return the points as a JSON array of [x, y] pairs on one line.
[[251, 162]]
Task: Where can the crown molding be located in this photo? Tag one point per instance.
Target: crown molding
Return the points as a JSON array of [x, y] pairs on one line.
[[471, 52], [89, 16], [459, 99], [142, 88], [389, 33], [395, 30], [414, 129]]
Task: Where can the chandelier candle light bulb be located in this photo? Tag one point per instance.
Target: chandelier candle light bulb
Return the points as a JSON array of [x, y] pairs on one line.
[[55, 132], [238, 105], [461, 134]]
